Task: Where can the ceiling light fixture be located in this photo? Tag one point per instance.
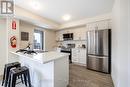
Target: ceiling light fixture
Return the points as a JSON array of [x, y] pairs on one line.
[[66, 17]]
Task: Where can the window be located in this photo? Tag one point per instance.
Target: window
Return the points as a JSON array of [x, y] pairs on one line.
[[38, 40]]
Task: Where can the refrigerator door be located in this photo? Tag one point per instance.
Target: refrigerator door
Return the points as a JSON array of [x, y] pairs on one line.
[[98, 63], [98, 55], [101, 42], [91, 42]]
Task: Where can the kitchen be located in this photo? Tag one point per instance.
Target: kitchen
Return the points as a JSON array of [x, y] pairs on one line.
[[68, 41]]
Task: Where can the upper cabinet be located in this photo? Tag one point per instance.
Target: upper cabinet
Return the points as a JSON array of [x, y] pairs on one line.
[[100, 25], [79, 33], [59, 36]]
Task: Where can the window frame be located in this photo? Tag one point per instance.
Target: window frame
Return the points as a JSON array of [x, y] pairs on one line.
[[42, 39]]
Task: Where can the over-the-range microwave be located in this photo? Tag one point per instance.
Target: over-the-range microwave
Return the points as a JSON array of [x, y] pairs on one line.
[[68, 36]]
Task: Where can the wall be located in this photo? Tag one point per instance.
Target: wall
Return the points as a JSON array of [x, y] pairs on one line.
[[49, 35], [12, 32], [3, 44], [120, 44], [50, 40], [26, 27]]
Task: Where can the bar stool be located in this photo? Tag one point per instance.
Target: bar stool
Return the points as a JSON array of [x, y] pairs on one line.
[[7, 69], [22, 71]]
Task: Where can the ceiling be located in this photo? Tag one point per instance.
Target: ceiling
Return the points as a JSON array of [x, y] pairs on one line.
[[78, 9]]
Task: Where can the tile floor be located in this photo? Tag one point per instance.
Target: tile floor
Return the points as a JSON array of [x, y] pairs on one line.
[[82, 77]]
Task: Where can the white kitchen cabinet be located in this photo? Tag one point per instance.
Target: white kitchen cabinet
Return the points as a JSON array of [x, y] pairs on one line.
[[103, 25], [76, 34], [67, 31], [59, 36], [91, 26], [100, 25], [74, 55], [83, 34], [80, 34], [79, 56], [82, 56]]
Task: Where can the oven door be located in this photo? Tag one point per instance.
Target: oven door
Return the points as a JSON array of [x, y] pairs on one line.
[[70, 59]]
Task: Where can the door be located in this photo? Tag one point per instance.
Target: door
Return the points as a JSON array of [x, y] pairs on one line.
[[98, 63], [101, 42], [91, 42], [82, 56], [75, 57]]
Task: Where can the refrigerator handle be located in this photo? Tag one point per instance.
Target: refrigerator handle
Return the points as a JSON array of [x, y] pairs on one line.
[[95, 42]]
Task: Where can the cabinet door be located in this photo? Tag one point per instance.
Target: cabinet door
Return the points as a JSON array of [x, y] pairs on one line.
[[110, 24], [75, 55], [57, 36], [91, 26], [76, 34], [103, 25], [83, 34], [82, 56], [60, 35]]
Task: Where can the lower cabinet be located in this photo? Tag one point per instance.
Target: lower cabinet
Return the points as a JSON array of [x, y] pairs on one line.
[[79, 56]]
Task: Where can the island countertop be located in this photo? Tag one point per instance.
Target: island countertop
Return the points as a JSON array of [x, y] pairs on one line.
[[43, 57]]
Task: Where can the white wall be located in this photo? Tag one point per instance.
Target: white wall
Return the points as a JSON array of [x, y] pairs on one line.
[[129, 39], [11, 32], [49, 35], [3, 44], [120, 44], [50, 40], [26, 27]]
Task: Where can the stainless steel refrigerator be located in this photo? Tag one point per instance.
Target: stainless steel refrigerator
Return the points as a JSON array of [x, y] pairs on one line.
[[99, 50]]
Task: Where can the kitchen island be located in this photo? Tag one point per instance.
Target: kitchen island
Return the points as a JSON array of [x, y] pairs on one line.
[[49, 69]]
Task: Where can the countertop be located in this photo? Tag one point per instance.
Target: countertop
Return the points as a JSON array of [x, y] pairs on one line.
[[43, 57]]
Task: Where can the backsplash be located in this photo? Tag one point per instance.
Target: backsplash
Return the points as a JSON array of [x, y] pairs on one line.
[[77, 43]]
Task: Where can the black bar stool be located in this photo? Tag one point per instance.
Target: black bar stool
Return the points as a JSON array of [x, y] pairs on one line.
[[7, 69], [20, 71]]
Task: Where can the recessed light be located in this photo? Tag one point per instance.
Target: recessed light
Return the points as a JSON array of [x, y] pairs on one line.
[[66, 17]]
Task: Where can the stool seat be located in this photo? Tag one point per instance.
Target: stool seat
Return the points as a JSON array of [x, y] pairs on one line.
[[7, 69], [14, 64], [22, 71]]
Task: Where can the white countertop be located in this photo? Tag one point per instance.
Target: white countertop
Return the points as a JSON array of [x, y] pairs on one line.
[[43, 57]]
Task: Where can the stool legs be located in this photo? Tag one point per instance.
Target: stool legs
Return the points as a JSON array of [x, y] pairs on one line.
[[3, 78], [29, 81], [6, 77], [9, 80], [22, 79], [13, 80], [17, 73], [25, 79]]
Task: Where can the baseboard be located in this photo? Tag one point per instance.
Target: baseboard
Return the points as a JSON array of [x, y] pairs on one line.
[[113, 81], [79, 64]]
